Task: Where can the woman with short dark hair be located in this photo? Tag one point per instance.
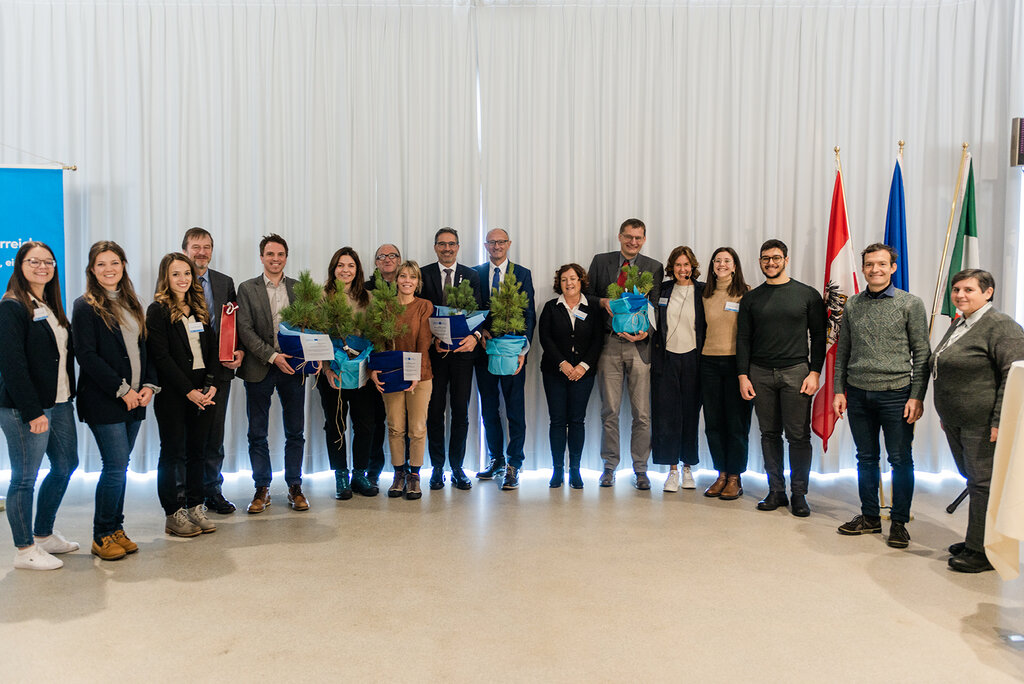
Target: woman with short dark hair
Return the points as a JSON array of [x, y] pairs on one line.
[[969, 370]]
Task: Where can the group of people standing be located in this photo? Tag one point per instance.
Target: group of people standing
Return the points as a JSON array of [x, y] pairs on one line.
[[715, 345]]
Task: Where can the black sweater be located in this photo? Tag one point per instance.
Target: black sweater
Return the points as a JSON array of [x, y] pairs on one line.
[[773, 327]]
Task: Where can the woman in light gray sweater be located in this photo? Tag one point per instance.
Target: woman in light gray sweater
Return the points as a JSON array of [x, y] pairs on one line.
[[969, 369]]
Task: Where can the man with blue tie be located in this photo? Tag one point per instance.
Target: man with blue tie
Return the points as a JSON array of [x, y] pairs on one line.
[[511, 387], [219, 289]]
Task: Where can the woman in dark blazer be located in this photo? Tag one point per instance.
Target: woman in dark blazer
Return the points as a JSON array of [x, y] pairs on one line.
[[182, 346], [115, 384], [571, 335], [969, 370], [675, 368], [37, 382]]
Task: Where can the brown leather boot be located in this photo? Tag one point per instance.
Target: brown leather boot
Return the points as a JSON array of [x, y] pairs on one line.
[[260, 500], [733, 488], [716, 488], [297, 499]]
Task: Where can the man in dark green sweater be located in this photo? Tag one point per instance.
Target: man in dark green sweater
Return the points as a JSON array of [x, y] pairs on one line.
[[780, 348], [881, 376]]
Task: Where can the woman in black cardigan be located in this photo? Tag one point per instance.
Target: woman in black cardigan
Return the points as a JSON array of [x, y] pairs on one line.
[[37, 382], [115, 385], [571, 335], [675, 368], [182, 346]]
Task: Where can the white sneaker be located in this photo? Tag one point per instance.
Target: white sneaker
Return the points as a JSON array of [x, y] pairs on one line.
[[672, 481], [35, 558], [197, 514], [688, 482], [56, 543]]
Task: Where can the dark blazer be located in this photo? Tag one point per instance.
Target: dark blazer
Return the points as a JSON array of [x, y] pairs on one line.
[[433, 284], [29, 361], [223, 292], [700, 323], [562, 342], [255, 325], [104, 364], [526, 280], [171, 353]]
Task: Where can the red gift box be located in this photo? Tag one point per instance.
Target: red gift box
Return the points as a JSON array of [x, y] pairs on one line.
[[228, 332]]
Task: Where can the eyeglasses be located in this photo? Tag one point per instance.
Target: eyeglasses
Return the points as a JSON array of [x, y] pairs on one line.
[[36, 263], [772, 259], [497, 243], [389, 255], [444, 245]]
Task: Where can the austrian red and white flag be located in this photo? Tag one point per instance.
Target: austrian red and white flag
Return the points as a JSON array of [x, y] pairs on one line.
[[840, 283]]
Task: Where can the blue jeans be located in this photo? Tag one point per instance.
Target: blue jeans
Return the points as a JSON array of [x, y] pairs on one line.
[[870, 412], [116, 442], [292, 394], [513, 388], [60, 444], [567, 405]]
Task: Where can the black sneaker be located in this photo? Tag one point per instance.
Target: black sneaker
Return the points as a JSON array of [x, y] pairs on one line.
[[862, 524], [899, 538]]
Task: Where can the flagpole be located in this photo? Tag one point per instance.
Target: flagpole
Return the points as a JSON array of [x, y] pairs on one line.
[[945, 246], [899, 155]]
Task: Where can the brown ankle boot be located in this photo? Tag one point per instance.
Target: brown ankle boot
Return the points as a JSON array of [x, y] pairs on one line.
[[733, 488], [716, 488]]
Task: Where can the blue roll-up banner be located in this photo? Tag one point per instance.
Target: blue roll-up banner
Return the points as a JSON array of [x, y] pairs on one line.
[[31, 208]]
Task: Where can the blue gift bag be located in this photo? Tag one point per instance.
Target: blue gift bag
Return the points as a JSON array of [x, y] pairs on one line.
[[390, 365], [459, 325], [352, 371], [290, 343], [503, 354], [629, 313]]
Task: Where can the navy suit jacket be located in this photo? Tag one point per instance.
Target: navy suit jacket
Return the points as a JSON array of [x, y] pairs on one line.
[[525, 279], [700, 323], [171, 352], [29, 361], [433, 285]]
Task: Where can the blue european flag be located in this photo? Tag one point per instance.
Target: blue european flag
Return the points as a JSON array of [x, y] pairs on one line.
[[896, 228]]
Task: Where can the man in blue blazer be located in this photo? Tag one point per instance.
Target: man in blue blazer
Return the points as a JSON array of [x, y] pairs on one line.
[[219, 289], [453, 370], [512, 387], [265, 370], [625, 357]]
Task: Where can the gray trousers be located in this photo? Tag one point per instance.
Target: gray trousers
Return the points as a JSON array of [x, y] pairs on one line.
[[781, 407], [620, 361], [974, 454]]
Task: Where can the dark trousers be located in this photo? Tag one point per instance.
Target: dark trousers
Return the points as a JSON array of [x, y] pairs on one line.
[[183, 434], [675, 408], [291, 391], [380, 426], [338, 406], [213, 451], [781, 407], [870, 412], [567, 405], [974, 454], [726, 414], [513, 389], [453, 380]]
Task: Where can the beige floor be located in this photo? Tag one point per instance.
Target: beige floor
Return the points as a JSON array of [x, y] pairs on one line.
[[533, 585]]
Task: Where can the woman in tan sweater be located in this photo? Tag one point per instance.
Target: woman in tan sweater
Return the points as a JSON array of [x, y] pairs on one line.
[[726, 413], [407, 410]]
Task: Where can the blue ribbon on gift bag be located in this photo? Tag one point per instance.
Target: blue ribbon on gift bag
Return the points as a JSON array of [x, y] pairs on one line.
[[629, 313]]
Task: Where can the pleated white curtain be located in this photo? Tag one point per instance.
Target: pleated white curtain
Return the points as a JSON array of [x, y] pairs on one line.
[[357, 122]]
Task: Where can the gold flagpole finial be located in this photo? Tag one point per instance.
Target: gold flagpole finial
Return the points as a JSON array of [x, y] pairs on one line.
[[964, 146], [73, 167], [901, 144]]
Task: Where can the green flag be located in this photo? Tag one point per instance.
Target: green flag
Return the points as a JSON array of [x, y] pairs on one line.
[[965, 247]]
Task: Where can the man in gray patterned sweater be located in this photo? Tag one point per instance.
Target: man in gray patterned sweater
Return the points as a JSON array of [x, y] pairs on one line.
[[881, 376]]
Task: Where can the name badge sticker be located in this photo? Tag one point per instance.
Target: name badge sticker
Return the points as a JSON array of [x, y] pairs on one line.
[[732, 306], [582, 315], [195, 326], [663, 301], [40, 314]]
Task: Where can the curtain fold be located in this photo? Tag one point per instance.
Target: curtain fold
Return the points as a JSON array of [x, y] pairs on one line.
[[359, 122]]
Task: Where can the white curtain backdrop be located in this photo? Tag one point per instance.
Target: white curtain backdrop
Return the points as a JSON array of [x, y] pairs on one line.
[[359, 122]]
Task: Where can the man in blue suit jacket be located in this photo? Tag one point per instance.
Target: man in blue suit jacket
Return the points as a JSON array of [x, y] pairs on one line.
[[453, 370], [512, 387]]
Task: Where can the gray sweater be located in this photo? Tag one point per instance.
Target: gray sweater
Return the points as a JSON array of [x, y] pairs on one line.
[[972, 371], [883, 344]]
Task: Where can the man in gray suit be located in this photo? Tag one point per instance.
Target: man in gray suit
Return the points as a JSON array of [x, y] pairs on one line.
[[266, 370], [625, 357], [218, 289]]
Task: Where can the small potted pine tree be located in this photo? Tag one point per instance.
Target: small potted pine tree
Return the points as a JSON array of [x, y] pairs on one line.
[[458, 318], [508, 322], [338, 319], [629, 301], [381, 325], [300, 322]]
